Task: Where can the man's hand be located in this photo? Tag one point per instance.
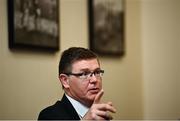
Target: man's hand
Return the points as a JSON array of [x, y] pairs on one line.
[[98, 110]]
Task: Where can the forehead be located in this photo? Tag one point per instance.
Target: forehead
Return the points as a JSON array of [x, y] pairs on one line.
[[90, 64]]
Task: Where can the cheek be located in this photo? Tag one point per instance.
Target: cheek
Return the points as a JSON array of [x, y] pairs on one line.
[[100, 84], [84, 86], [79, 87]]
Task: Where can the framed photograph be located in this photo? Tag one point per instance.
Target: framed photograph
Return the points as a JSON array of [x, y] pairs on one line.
[[106, 26], [33, 24]]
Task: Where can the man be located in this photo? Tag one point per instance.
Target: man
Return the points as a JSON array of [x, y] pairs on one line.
[[81, 78]]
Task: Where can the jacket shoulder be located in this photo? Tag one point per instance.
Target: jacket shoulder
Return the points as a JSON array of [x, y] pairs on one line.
[[52, 112], [61, 110]]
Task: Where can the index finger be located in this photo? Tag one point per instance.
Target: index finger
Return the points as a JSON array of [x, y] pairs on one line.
[[98, 96]]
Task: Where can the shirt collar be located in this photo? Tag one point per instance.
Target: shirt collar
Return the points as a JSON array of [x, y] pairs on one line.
[[79, 107]]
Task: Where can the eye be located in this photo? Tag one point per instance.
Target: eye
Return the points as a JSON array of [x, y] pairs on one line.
[[97, 72], [85, 73]]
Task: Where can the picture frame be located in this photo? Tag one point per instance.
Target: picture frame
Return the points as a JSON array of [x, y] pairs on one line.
[[106, 27], [33, 24]]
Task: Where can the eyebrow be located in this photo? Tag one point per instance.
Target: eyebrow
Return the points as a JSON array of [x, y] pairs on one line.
[[87, 69]]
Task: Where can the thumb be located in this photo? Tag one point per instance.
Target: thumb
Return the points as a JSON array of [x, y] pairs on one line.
[[99, 96]]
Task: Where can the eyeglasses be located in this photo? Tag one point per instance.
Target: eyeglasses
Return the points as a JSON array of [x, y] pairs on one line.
[[86, 75]]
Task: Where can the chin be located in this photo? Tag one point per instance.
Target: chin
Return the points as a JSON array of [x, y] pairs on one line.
[[89, 102], [92, 97]]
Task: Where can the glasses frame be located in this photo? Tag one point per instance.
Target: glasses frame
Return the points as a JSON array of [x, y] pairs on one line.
[[86, 75]]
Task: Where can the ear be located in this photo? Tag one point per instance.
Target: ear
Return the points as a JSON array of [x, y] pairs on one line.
[[64, 80]]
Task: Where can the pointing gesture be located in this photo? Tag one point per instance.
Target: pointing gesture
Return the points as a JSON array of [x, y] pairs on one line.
[[98, 110], [98, 97]]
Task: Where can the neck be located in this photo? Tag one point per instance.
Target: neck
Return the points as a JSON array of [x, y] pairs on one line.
[[86, 103]]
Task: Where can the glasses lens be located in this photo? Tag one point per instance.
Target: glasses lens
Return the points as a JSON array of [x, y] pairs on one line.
[[99, 73], [85, 75]]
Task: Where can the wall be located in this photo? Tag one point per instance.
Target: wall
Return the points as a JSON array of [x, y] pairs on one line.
[[161, 64], [124, 79], [28, 80], [142, 84]]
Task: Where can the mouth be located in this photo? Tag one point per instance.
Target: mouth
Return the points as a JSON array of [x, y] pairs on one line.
[[94, 90]]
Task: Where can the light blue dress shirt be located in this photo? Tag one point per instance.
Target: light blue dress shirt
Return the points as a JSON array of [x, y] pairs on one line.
[[79, 107]]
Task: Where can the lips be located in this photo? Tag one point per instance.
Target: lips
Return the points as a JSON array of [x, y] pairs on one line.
[[94, 90]]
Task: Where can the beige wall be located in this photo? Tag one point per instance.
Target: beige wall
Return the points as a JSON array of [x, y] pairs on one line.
[[161, 64], [28, 80]]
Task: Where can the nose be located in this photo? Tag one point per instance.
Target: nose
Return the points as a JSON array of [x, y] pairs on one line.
[[92, 78]]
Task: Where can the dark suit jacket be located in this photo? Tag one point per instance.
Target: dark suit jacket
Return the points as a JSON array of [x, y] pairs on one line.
[[61, 110]]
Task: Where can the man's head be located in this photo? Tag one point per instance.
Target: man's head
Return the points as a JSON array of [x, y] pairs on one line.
[[73, 54], [80, 74]]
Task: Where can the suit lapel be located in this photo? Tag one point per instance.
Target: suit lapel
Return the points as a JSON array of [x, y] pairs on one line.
[[69, 108]]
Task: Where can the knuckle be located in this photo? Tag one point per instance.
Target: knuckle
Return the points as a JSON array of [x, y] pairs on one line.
[[105, 113], [93, 116], [107, 106]]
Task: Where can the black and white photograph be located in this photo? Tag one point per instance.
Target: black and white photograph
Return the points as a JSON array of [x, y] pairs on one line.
[[33, 24], [106, 26]]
